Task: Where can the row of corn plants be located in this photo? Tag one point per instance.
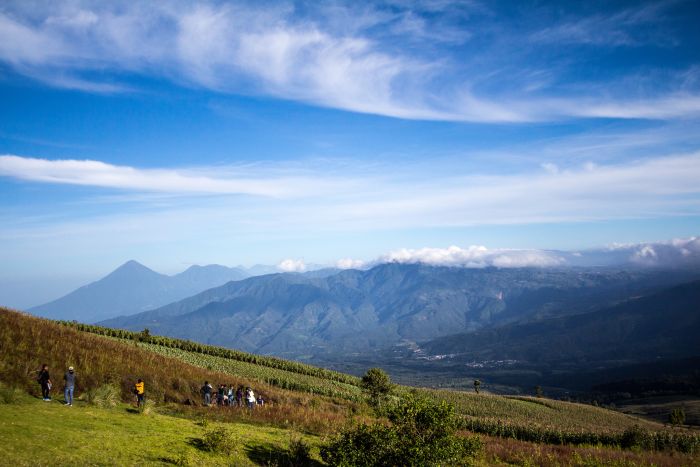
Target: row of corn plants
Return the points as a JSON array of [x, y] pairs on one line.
[[190, 346], [272, 376], [634, 437]]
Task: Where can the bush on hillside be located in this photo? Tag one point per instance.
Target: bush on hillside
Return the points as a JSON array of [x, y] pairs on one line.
[[10, 395], [299, 452], [218, 440], [377, 385], [107, 395], [677, 416], [422, 432]]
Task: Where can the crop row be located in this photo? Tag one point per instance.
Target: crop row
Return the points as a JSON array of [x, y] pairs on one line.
[[546, 414], [272, 376], [634, 437], [195, 347]]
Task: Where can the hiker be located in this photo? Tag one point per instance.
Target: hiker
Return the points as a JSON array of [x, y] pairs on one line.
[[231, 396], [206, 392], [239, 396], [45, 380], [139, 390], [250, 397], [220, 395], [69, 378], [261, 401]]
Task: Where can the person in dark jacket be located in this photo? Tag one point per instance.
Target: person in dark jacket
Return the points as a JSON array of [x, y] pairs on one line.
[[45, 381], [220, 395], [69, 378], [206, 392], [239, 396]]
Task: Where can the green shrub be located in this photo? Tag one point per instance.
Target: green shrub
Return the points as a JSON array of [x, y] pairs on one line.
[[203, 422], [677, 416], [103, 396], [299, 452], [10, 395], [422, 432], [636, 437], [218, 440], [377, 385]]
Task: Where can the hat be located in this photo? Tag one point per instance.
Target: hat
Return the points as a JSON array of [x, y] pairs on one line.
[[70, 368]]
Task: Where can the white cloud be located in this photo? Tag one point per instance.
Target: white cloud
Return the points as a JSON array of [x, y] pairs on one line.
[[192, 181], [473, 257], [368, 198], [292, 265], [670, 253], [631, 27], [238, 48]]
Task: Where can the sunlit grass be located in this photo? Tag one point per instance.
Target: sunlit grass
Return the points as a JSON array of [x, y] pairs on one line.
[[39, 433]]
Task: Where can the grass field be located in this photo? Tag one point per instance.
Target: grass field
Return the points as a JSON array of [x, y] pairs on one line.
[[37, 433]]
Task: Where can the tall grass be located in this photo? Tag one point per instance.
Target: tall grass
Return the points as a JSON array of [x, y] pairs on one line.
[[10, 395], [26, 342], [106, 395]]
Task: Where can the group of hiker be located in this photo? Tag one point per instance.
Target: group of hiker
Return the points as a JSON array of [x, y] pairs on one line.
[[223, 396], [230, 397], [44, 379]]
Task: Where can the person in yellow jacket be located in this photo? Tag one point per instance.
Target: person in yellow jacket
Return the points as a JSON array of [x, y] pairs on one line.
[[139, 390]]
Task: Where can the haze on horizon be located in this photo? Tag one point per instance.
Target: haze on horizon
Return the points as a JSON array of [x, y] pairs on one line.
[[223, 132]]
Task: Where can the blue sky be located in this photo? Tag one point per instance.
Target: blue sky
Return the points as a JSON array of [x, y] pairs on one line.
[[179, 133]]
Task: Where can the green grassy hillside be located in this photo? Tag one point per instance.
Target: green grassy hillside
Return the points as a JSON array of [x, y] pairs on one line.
[[301, 399], [37, 433]]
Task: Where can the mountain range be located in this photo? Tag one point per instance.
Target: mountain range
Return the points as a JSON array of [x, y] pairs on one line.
[[353, 311], [666, 323], [133, 288]]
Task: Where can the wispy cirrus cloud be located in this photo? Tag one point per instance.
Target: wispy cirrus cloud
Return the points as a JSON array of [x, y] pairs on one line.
[[348, 57], [222, 181], [378, 197], [629, 27]]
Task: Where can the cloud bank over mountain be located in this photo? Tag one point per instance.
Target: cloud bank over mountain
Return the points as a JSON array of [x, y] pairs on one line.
[[474, 257], [671, 253]]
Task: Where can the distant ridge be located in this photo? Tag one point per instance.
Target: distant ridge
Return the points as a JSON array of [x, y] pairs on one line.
[[304, 315], [665, 324], [133, 288]]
